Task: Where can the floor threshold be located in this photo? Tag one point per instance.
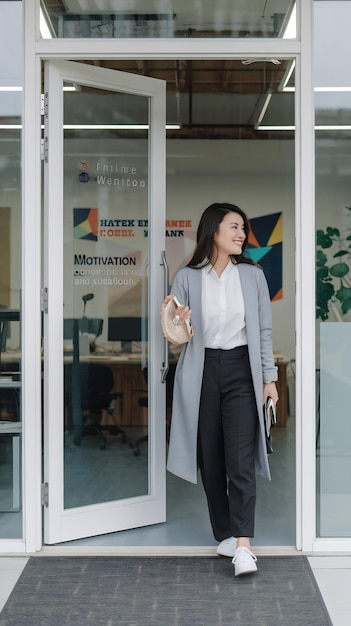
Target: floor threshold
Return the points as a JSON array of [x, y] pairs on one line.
[[184, 551]]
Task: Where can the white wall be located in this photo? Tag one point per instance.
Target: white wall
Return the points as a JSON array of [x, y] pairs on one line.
[[259, 177]]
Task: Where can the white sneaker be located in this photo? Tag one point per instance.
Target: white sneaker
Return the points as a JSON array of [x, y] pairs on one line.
[[244, 561], [227, 547]]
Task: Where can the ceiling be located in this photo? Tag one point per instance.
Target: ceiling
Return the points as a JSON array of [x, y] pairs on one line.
[[208, 99]]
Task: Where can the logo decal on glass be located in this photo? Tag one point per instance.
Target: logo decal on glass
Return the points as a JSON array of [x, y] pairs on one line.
[[85, 224], [84, 176]]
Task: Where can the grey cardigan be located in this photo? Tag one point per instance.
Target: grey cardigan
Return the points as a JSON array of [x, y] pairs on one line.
[[182, 452]]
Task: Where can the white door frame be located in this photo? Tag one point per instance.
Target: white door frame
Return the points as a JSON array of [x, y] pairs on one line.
[[301, 48]]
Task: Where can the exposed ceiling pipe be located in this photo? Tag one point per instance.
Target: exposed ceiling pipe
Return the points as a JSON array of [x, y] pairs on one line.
[[177, 94]]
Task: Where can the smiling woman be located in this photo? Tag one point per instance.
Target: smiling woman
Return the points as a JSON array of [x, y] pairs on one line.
[[223, 378]]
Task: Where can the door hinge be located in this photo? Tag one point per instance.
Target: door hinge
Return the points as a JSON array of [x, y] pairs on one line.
[[44, 149], [44, 299], [45, 494], [44, 104]]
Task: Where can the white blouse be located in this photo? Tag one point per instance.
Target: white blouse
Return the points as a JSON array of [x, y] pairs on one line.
[[223, 313]]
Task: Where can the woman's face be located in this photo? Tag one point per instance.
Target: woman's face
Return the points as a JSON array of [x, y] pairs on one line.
[[230, 236]]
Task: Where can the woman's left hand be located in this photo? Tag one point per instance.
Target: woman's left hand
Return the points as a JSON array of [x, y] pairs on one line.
[[270, 391]]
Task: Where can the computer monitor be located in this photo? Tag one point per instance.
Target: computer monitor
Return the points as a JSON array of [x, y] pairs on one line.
[[127, 330], [6, 316]]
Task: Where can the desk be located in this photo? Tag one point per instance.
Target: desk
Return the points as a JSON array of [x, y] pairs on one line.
[[8, 383], [128, 379], [14, 429]]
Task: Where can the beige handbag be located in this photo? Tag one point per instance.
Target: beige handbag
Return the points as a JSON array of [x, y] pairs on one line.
[[175, 333]]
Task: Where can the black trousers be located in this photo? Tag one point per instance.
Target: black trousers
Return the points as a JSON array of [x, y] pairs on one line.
[[227, 434]]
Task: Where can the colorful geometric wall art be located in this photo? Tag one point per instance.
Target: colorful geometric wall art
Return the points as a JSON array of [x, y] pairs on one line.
[[85, 224], [265, 247]]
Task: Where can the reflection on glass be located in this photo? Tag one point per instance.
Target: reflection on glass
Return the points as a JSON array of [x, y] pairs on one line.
[[105, 296], [333, 267], [172, 19], [10, 271]]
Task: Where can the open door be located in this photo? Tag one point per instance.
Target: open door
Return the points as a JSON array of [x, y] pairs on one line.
[[104, 173]]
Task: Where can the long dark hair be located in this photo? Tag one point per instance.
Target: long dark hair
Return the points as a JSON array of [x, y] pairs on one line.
[[208, 227]]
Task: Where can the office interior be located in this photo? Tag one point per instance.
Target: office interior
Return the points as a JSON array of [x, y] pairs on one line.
[[217, 149]]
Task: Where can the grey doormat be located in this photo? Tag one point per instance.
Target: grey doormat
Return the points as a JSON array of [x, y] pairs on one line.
[[164, 591]]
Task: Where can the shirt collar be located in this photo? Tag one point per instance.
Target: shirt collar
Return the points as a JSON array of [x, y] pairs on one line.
[[209, 268]]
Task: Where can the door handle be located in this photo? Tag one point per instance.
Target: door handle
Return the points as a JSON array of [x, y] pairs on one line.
[[165, 364]]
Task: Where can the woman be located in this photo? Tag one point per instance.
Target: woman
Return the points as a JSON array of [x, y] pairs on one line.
[[223, 377]]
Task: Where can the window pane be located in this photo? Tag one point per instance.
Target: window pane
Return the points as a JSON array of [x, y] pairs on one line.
[[333, 261], [10, 268], [167, 18], [105, 358]]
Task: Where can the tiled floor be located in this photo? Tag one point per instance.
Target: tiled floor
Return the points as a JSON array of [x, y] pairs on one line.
[[10, 571], [333, 575]]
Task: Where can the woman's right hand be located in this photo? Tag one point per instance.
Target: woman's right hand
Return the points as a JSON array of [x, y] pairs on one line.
[[183, 311]]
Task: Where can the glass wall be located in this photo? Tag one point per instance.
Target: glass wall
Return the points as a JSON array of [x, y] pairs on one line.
[[332, 83], [10, 269], [168, 18]]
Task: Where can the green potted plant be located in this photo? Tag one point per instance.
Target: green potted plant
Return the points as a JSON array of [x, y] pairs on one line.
[[333, 277]]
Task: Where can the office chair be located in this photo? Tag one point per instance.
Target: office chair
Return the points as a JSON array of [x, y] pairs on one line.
[[143, 402], [96, 384]]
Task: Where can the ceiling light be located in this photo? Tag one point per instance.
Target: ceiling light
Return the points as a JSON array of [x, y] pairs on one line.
[[323, 89], [319, 127], [96, 126], [2, 88], [115, 126], [17, 88], [334, 127], [331, 89], [275, 128]]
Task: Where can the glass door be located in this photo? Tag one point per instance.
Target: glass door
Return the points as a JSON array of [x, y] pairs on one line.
[[104, 404]]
